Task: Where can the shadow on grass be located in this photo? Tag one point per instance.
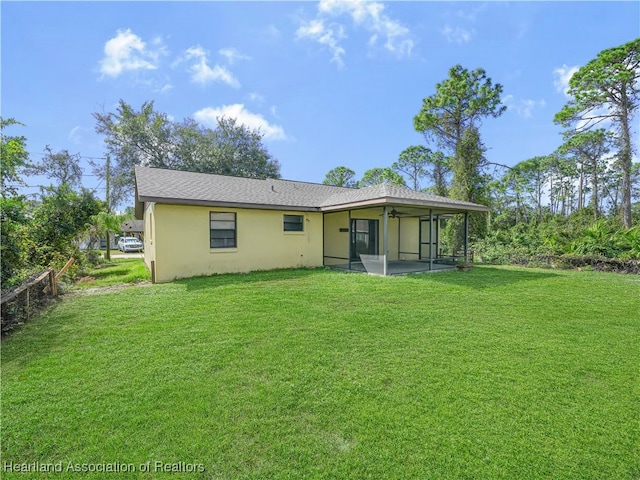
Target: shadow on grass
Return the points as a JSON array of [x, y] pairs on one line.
[[223, 280], [481, 277]]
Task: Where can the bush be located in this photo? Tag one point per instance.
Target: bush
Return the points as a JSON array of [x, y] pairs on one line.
[[556, 236]]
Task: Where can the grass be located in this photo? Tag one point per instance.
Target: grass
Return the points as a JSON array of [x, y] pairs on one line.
[[498, 373], [116, 272]]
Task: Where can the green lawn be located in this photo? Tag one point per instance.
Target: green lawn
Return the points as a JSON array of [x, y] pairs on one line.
[[498, 373]]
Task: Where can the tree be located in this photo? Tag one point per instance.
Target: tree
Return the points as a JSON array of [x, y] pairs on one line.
[[13, 247], [61, 166], [412, 162], [532, 176], [238, 150], [150, 138], [439, 172], [104, 223], [13, 208], [606, 89], [451, 118], [340, 177], [377, 176], [588, 149], [460, 102], [469, 184], [57, 223], [13, 158], [133, 138]]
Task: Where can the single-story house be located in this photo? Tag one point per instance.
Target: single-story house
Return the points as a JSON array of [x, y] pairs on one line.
[[201, 224]]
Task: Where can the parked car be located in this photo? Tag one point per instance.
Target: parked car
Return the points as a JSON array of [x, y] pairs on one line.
[[130, 244]]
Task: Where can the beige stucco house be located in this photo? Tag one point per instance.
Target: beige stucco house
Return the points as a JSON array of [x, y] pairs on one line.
[[201, 224]]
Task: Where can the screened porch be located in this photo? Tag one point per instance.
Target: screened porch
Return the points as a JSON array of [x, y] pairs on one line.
[[393, 239]]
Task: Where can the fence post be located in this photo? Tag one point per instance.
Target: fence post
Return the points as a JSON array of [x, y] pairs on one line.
[[27, 304], [53, 287]]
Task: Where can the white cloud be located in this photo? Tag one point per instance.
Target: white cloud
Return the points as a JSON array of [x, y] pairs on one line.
[[370, 15], [232, 55], [165, 88], [562, 76], [77, 133], [256, 97], [457, 35], [202, 73], [208, 116], [523, 107], [272, 32], [471, 14], [128, 52], [328, 36], [365, 14]]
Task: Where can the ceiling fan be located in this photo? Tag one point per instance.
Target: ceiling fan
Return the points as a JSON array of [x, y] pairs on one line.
[[394, 213]]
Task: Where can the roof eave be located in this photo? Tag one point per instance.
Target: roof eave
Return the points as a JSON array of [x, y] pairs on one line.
[[453, 207], [211, 203]]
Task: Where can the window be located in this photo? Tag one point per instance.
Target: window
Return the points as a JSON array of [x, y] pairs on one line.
[[222, 227], [293, 223]]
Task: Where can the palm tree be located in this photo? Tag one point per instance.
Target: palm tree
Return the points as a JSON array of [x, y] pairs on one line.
[[103, 223]]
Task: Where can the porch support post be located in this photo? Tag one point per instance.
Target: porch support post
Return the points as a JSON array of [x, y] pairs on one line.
[[350, 240], [466, 236], [430, 239], [385, 238], [438, 252], [399, 237]]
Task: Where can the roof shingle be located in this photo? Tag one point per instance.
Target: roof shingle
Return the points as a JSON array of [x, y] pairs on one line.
[[176, 186]]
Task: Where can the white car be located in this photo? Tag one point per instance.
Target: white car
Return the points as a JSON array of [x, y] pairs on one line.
[[130, 244]]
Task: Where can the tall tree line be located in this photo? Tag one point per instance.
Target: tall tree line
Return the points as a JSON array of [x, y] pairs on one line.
[[591, 169], [148, 137]]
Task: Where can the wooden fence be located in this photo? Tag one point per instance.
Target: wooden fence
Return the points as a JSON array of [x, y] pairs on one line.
[[20, 303]]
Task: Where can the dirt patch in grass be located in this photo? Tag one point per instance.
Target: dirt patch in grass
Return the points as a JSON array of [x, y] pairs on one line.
[[107, 289]]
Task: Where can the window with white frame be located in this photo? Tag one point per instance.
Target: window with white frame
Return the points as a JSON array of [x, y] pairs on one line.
[[222, 228], [293, 223]]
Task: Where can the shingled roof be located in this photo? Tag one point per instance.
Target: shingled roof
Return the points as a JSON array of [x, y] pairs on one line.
[[392, 195], [189, 188]]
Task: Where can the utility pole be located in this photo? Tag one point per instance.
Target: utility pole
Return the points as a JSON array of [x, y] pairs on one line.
[[108, 176]]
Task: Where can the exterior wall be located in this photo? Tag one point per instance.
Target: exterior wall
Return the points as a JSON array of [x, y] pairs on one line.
[[149, 235], [182, 242], [336, 243], [409, 239]]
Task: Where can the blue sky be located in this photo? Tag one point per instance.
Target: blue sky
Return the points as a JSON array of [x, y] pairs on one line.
[[329, 83]]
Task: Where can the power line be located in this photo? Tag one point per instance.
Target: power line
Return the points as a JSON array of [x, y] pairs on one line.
[[82, 157]]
